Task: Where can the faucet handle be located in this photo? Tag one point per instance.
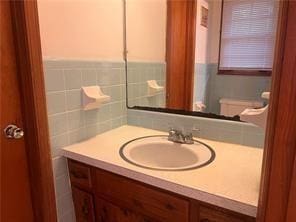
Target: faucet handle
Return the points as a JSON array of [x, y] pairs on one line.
[[188, 138], [172, 131], [195, 130], [188, 135]]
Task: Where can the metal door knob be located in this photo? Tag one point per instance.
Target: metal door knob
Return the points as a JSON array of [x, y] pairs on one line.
[[13, 132]]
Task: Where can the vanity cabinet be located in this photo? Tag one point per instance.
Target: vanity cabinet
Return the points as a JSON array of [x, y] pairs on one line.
[[101, 196]]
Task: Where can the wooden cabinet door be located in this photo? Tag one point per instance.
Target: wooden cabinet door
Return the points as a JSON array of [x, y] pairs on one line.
[[107, 212], [80, 175], [84, 206], [140, 198], [212, 215]]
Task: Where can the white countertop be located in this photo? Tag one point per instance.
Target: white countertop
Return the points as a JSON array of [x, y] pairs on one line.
[[231, 181]]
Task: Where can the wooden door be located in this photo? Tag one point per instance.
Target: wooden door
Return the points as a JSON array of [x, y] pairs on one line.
[[26, 179], [180, 50], [16, 203]]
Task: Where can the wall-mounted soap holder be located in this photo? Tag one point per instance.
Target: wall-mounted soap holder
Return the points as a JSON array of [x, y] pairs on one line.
[[154, 88], [93, 97]]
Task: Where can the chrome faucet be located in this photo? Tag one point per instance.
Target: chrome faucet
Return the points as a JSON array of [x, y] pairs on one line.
[[177, 136]]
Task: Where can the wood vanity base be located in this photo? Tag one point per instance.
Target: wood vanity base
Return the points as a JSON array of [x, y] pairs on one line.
[[101, 196]]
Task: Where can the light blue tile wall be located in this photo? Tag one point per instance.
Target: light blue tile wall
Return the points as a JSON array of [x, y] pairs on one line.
[[213, 129], [137, 75], [69, 124], [201, 82], [211, 87]]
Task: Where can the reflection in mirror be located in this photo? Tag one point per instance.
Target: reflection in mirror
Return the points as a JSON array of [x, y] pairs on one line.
[[146, 43], [210, 56], [234, 69]]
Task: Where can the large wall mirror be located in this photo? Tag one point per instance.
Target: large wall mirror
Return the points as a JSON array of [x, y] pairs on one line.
[[203, 56]]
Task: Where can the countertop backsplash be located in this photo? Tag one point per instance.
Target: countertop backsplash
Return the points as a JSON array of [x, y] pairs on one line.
[[213, 129]]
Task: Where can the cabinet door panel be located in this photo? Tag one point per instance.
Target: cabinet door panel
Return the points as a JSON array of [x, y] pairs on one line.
[[79, 174], [84, 207], [141, 198], [107, 212], [212, 215]]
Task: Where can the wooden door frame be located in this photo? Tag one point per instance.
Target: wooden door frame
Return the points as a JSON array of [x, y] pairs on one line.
[[31, 84]]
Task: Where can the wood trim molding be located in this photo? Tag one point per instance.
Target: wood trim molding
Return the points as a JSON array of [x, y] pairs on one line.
[[280, 144], [245, 72], [30, 69], [190, 55]]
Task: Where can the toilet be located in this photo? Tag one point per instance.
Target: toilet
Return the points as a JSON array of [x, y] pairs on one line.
[[232, 107]]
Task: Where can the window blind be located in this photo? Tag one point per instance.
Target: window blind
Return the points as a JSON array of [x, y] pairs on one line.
[[248, 34]]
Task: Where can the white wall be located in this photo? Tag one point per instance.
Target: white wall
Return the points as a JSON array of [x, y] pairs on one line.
[[214, 30], [146, 30], [207, 39], [81, 28], [93, 29], [201, 35]]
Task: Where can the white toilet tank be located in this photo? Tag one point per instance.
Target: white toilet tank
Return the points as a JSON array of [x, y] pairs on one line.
[[232, 107]]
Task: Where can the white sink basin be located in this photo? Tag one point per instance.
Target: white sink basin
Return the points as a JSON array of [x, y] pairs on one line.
[[156, 152]]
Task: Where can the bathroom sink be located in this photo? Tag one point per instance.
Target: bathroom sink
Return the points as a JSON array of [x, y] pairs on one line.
[[156, 152]]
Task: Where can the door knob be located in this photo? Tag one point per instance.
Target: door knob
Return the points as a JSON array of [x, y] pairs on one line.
[[13, 132]]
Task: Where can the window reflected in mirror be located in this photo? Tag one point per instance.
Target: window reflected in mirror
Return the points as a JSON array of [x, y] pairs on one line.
[[209, 56]]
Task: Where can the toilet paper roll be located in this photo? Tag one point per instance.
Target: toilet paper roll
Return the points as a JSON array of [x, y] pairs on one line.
[[199, 106]]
